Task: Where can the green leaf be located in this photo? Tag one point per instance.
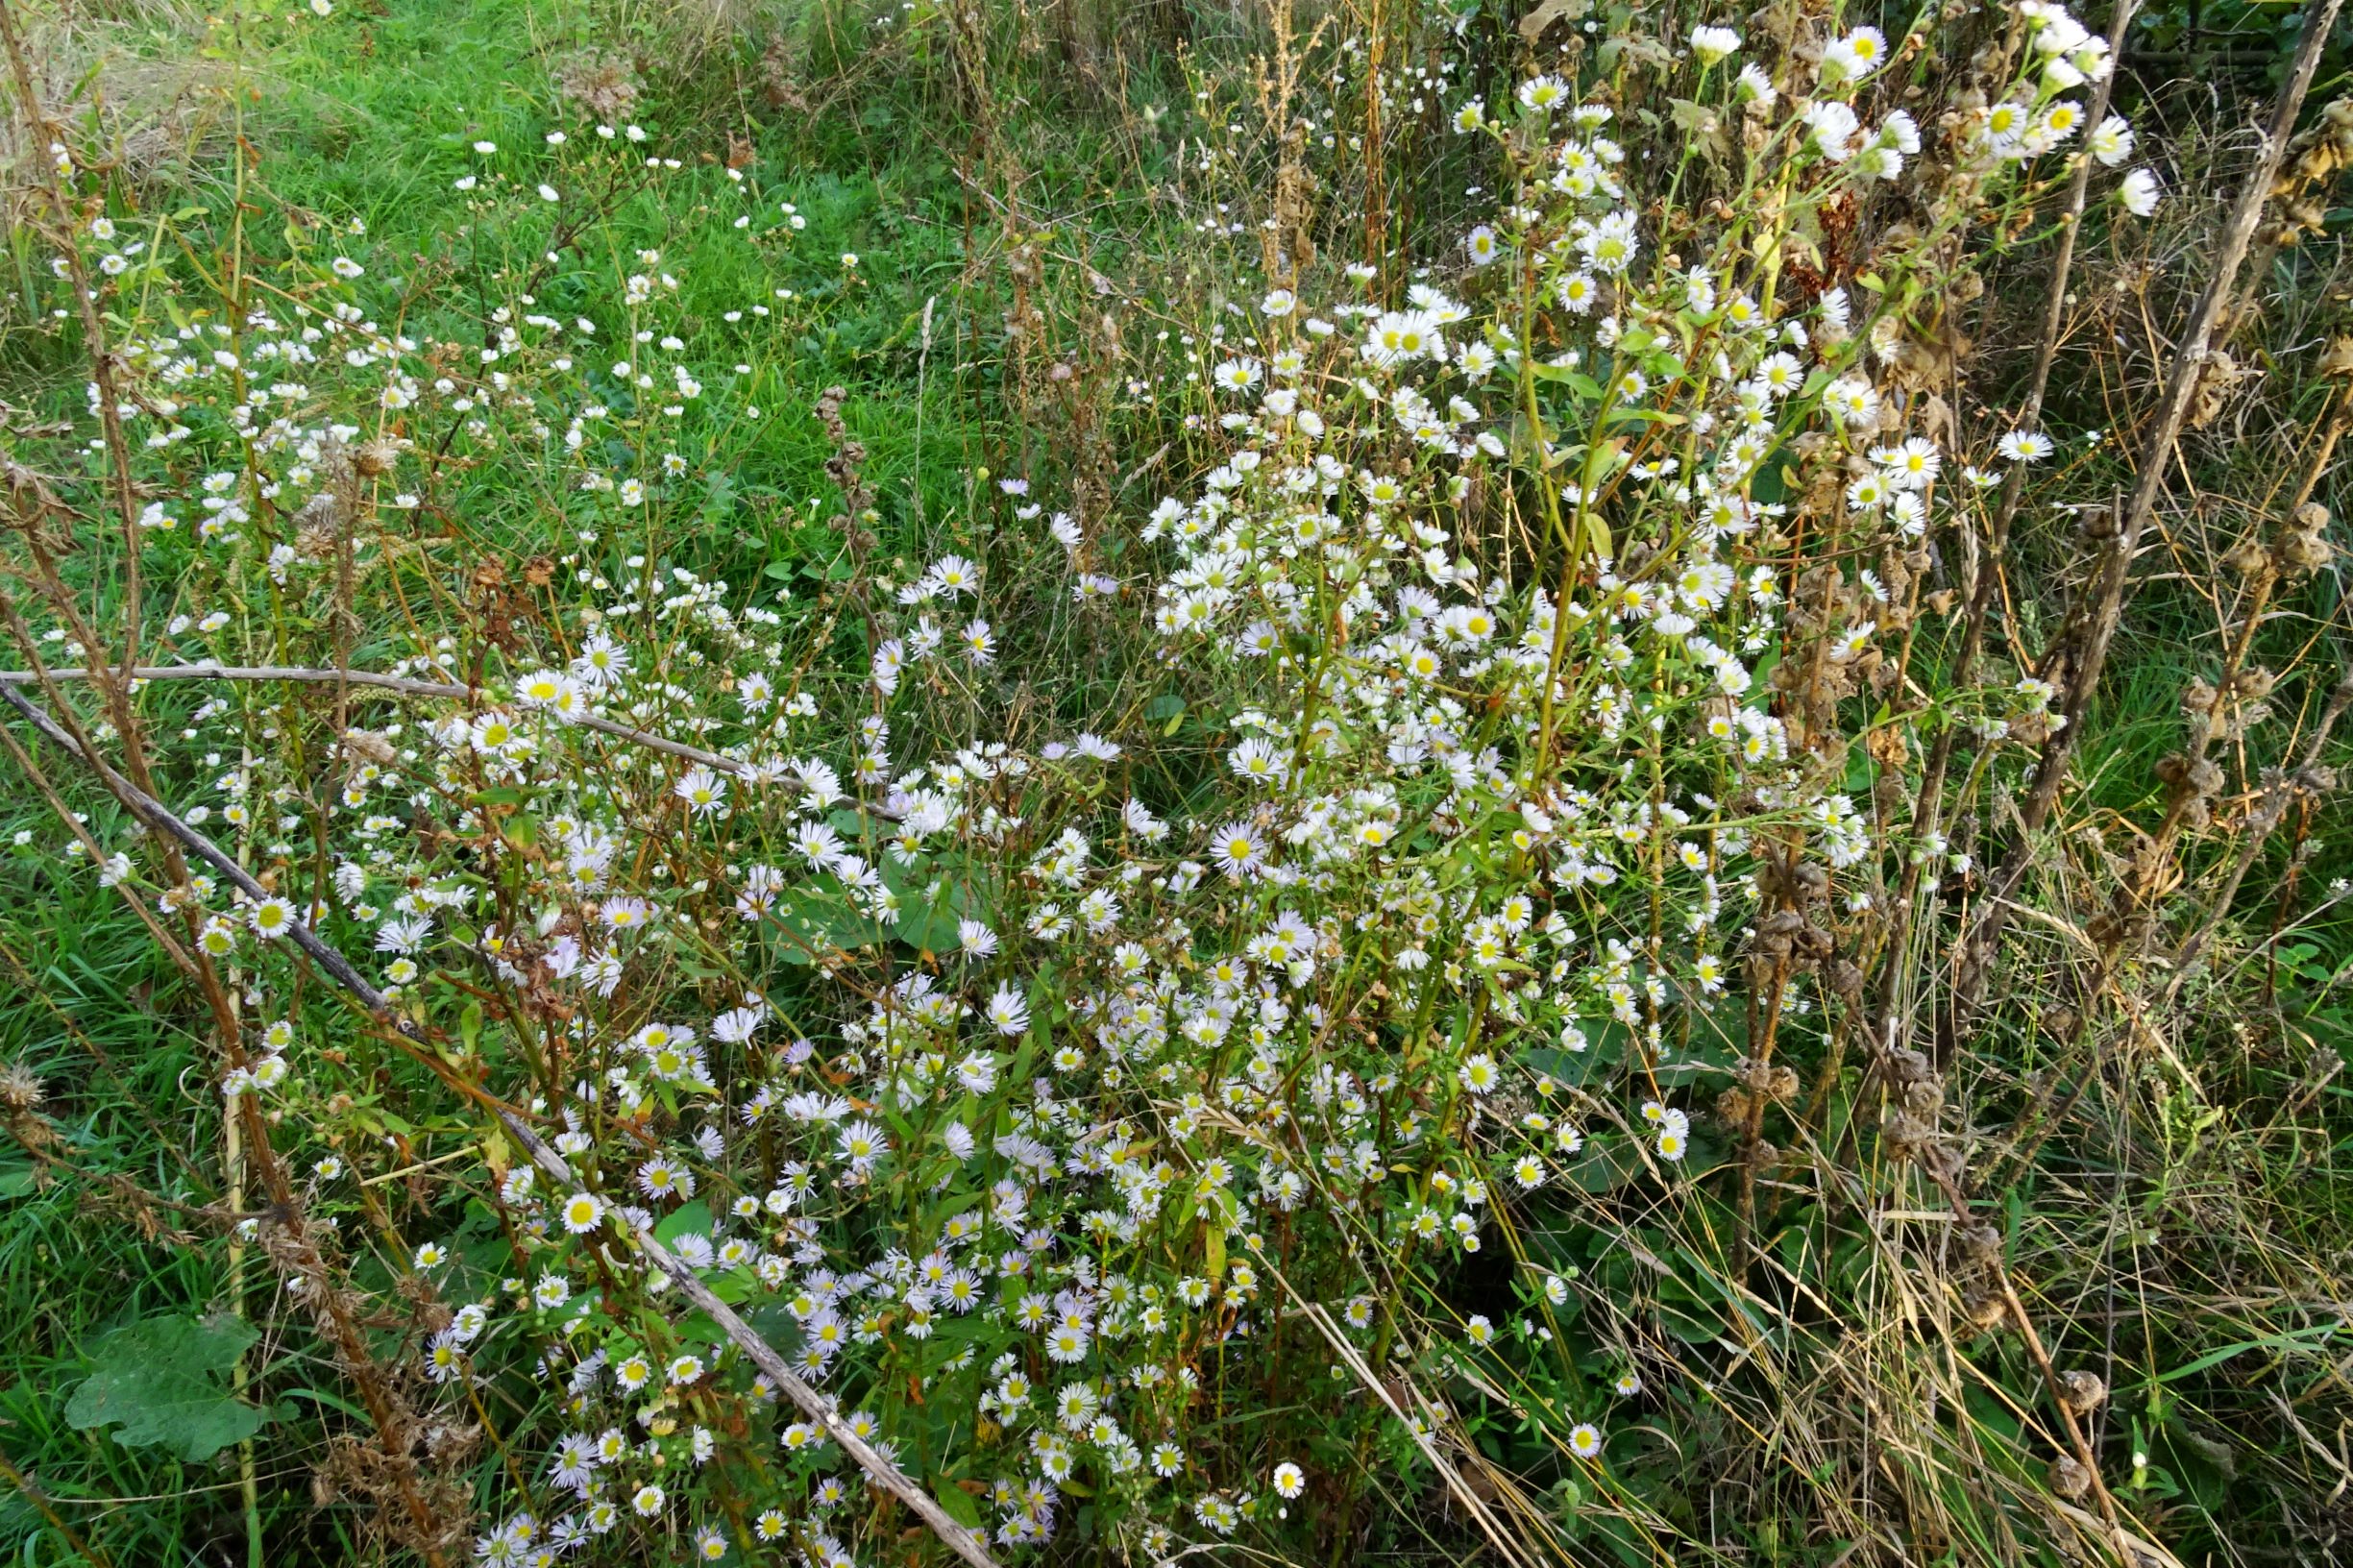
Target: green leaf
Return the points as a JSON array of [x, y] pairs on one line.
[[718, 497], [1570, 1068], [1605, 1166], [957, 1502], [2309, 1339], [1598, 532], [286, 1412], [819, 918], [930, 912], [159, 1383], [695, 1218], [1586, 388]]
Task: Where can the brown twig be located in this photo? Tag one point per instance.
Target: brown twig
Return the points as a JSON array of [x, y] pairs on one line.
[[2094, 619], [883, 1473], [402, 684], [1979, 611]]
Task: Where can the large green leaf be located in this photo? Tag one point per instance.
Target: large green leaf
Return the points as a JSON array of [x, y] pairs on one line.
[[957, 1502], [931, 907], [159, 1383], [695, 1216], [821, 919]]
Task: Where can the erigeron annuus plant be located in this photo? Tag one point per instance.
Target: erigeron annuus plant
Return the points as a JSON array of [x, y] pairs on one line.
[[1059, 1107]]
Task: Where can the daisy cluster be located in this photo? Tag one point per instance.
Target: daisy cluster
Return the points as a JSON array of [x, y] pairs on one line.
[[1035, 1095]]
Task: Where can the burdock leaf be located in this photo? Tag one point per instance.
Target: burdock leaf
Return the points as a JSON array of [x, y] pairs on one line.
[[160, 1383]]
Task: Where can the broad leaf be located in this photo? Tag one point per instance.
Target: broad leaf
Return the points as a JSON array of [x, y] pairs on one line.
[[160, 1383]]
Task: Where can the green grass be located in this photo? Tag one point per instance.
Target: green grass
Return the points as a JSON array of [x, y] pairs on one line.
[[88, 1005], [364, 124], [370, 120]]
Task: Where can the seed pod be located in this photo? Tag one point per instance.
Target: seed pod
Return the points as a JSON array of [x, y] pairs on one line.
[[2217, 378], [2247, 558], [1888, 792], [1734, 1106], [2299, 553], [1905, 1135], [1776, 933], [318, 527], [1944, 1161], [20, 1089], [2082, 1392], [367, 744], [378, 456], [2068, 1479], [1987, 1310], [1905, 1066], [2196, 778], [1925, 1099]]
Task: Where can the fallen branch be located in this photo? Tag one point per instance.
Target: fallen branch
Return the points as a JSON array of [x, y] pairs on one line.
[[402, 684], [964, 1542], [763, 1355]]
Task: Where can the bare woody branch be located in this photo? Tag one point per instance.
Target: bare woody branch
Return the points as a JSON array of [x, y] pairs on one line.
[[304, 674], [958, 1538]]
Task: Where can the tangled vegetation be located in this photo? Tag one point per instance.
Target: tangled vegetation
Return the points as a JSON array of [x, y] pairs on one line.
[[857, 784]]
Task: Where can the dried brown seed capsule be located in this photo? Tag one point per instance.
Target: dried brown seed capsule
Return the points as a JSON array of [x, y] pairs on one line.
[[2082, 1392], [378, 457], [20, 1089]]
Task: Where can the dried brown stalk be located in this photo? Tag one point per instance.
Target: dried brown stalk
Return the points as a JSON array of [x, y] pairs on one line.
[[885, 1475], [1979, 611], [2082, 650]]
